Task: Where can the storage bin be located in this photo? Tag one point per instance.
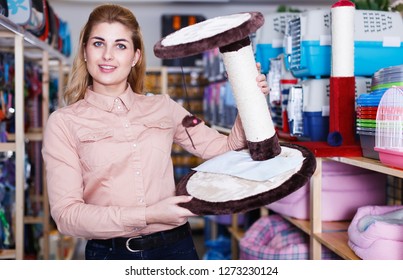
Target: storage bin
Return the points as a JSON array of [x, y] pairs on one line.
[[316, 126], [274, 238], [269, 38], [316, 105], [344, 189], [377, 42], [367, 141]]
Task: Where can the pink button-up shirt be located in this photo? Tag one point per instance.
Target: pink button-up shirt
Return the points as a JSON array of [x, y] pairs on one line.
[[107, 158]]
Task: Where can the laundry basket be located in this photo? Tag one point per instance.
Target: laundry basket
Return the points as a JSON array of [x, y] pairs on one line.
[[389, 128]]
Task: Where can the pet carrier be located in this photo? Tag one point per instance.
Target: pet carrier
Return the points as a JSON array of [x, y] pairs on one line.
[[377, 42]]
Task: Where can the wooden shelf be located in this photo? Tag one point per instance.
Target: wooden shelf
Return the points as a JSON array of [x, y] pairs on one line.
[[370, 164], [332, 235], [30, 136], [5, 147], [33, 220], [7, 254], [304, 225], [26, 47], [337, 242], [237, 233]]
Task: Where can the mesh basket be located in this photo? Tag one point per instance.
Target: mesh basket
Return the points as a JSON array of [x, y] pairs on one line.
[[389, 127]]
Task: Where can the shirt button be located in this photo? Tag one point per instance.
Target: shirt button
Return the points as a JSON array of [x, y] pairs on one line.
[[119, 107], [116, 100], [137, 172], [127, 125], [134, 145]]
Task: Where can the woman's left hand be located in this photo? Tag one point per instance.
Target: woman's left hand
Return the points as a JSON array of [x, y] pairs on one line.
[[262, 81]]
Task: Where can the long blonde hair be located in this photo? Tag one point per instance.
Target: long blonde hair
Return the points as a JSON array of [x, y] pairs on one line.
[[79, 78]]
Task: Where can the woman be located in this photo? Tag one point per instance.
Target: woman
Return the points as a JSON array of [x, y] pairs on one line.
[[107, 153]]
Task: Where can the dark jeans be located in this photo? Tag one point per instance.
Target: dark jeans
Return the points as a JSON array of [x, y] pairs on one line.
[[183, 249]]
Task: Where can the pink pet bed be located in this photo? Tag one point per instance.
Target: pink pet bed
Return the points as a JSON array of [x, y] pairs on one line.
[[344, 189], [274, 238], [376, 233]]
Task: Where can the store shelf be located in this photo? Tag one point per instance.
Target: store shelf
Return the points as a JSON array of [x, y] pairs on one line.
[[7, 254], [33, 47], [337, 242], [237, 233], [33, 220], [4, 147], [331, 234], [26, 47], [370, 164]]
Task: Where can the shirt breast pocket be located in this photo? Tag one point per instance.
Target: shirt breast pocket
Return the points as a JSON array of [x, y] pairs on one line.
[[97, 148], [160, 133]]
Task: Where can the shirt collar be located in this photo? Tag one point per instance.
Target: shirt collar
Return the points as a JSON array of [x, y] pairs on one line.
[[106, 102]]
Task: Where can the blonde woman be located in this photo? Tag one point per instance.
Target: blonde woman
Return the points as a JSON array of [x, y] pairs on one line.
[[107, 153]]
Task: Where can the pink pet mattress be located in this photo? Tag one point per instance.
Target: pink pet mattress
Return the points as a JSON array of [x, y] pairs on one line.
[[376, 233], [273, 238], [344, 189]]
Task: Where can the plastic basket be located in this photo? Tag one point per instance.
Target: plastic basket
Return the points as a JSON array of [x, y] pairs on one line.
[[389, 128]]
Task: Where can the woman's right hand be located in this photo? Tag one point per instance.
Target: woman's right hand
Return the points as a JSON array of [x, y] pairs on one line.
[[168, 211]]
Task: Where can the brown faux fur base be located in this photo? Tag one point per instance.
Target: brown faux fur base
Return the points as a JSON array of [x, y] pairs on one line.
[[296, 181], [222, 39], [265, 149]]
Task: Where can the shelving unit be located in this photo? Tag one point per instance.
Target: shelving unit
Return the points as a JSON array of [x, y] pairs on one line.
[[25, 46], [319, 233], [332, 235]]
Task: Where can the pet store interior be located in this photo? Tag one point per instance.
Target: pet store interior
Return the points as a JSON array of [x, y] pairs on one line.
[[335, 73]]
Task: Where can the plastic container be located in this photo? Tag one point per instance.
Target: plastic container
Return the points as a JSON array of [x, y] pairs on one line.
[[367, 142], [270, 37], [389, 128], [316, 105], [377, 42]]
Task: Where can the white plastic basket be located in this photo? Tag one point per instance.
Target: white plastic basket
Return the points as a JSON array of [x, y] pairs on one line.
[[389, 127]]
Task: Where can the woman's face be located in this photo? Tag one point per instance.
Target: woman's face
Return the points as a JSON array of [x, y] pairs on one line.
[[110, 56]]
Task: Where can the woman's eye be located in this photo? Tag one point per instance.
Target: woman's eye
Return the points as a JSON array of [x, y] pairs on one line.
[[98, 44], [121, 46]]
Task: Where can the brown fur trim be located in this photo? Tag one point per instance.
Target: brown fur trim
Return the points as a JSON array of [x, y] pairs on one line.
[[296, 181], [265, 149], [222, 39]]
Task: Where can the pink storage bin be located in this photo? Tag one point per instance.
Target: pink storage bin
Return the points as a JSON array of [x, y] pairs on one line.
[[344, 189], [379, 239]]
